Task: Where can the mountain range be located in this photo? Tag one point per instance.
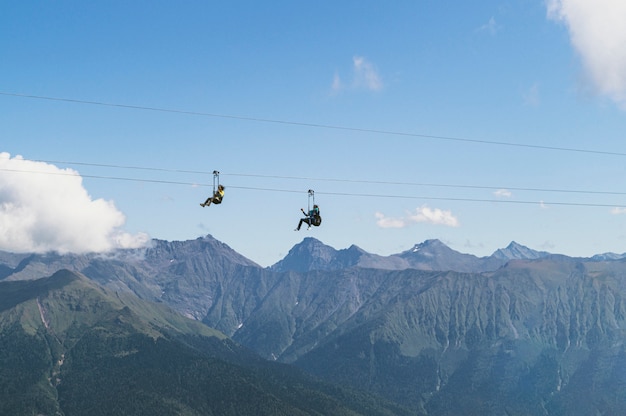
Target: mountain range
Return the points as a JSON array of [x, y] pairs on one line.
[[312, 254], [438, 332]]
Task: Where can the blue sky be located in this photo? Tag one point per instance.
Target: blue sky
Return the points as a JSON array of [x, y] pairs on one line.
[[477, 124]]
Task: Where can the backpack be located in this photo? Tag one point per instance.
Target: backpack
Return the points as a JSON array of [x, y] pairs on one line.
[[317, 220]]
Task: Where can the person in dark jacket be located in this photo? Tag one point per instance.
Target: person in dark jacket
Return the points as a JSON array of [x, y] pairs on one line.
[[311, 218]]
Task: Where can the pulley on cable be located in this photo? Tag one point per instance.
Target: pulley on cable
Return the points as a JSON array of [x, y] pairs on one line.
[[218, 191], [312, 215]]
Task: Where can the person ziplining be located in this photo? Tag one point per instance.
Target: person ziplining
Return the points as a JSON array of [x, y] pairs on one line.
[[312, 216], [218, 194]]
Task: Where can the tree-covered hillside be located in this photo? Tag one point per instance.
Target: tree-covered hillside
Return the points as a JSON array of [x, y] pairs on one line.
[[70, 347]]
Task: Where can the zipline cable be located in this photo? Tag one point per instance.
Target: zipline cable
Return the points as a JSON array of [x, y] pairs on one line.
[[116, 178], [313, 125], [359, 181], [346, 194]]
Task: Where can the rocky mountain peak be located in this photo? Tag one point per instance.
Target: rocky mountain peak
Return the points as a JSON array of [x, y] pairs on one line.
[[428, 248], [214, 249], [307, 255], [314, 247], [428, 244], [515, 251]]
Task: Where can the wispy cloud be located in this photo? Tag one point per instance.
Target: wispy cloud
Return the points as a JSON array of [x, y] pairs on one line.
[[423, 214], [44, 208], [547, 245], [531, 96], [364, 76], [337, 84], [598, 33], [503, 193], [491, 27], [618, 211], [471, 245]]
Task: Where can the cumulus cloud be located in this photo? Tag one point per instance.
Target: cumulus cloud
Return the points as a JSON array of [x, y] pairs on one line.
[[44, 208], [598, 33], [364, 76], [422, 214]]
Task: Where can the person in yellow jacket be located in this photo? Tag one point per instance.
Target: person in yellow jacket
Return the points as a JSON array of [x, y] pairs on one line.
[[216, 198]]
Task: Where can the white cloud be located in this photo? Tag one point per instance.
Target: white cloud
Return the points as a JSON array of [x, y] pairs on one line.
[[490, 27], [503, 193], [44, 208], [434, 216], [385, 222], [422, 214], [597, 30], [364, 77], [618, 211]]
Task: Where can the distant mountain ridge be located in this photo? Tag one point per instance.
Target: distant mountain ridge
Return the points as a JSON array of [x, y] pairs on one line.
[[312, 254], [515, 251]]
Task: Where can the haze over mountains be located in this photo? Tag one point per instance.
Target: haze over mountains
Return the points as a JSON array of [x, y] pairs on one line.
[[436, 331]]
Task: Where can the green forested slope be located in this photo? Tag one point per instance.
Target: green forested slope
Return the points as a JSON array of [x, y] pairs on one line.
[[70, 347]]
